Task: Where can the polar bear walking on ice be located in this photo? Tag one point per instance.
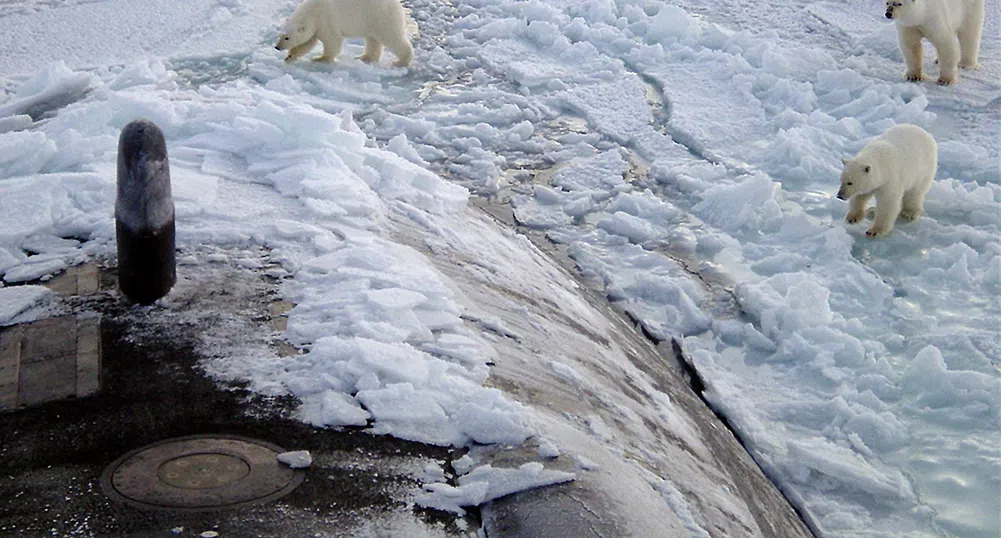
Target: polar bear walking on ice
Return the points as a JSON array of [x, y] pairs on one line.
[[380, 22], [954, 27], [897, 168]]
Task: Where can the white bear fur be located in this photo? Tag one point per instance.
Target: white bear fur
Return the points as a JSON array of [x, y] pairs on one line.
[[380, 22], [897, 168], [954, 27]]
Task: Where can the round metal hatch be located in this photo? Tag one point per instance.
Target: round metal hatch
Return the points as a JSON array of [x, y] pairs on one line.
[[200, 473]]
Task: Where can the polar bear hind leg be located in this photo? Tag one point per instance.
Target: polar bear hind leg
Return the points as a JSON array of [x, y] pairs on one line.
[[969, 36], [913, 203], [947, 50], [373, 51], [910, 47], [401, 48], [914, 199]]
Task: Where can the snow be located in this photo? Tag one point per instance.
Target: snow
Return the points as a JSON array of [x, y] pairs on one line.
[[676, 500], [34, 270], [297, 459], [17, 302], [684, 155], [120, 32], [55, 86], [548, 449], [486, 483]]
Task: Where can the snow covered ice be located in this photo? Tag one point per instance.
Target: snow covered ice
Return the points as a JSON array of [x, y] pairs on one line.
[[23, 303], [486, 483], [684, 155]]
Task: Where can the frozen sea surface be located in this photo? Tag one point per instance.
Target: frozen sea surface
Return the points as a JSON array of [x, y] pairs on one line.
[[684, 154]]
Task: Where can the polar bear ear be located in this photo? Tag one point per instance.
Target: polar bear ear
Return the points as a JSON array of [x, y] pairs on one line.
[[844, 160]]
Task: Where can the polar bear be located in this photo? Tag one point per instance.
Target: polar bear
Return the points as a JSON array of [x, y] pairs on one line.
[[380, 22], [941, 22], [898, 168]]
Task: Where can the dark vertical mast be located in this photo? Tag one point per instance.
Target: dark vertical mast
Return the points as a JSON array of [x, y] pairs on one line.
[[144, 214]]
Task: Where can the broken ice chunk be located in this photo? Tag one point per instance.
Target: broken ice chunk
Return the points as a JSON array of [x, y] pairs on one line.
[[298, 459]]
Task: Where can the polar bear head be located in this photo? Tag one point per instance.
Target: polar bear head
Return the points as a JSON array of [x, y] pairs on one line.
[[295, 33], [859, 176], [907, 12]]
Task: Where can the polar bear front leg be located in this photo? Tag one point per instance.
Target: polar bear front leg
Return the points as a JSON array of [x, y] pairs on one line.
[[948, 59], [373, 51], [856, 207], [910, 47], [331, 49], [887, 210], [298, 52]]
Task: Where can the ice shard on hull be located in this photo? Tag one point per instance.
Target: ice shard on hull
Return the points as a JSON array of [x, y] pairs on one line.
[[144, 214]]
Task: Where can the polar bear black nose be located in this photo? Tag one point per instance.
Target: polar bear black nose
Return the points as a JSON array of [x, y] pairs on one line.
[[889, 14]]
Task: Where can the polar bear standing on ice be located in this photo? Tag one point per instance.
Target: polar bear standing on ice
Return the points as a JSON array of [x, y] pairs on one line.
[[380, 22], [941, 22], [898, 168]]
